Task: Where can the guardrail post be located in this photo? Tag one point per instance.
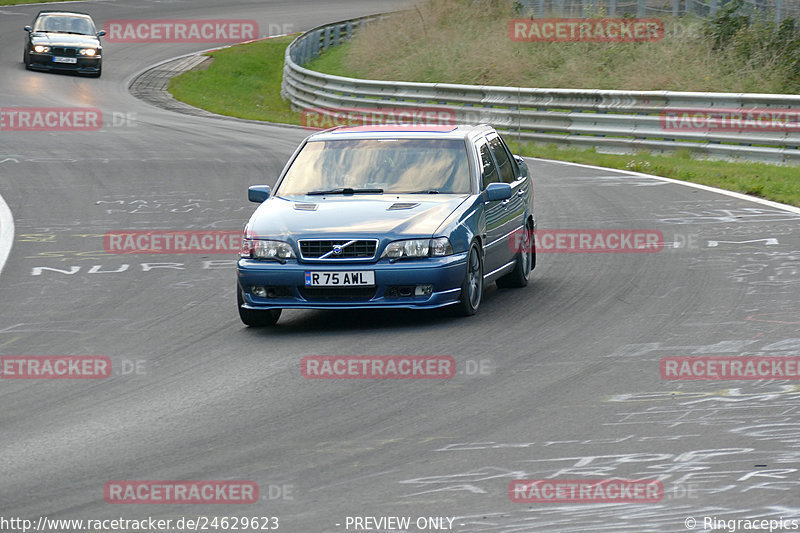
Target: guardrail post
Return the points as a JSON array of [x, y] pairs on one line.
[[778, 11], [315, 37], [540, 10], [676, 7], [712, 10], [326, 39], [641, 8], [612, 8]]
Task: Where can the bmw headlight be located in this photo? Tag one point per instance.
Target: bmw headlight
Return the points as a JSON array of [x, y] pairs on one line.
[[41, 49], [88, 52], [418, 248], [262, 249]]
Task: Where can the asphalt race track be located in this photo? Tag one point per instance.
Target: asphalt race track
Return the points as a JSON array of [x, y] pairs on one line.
[[558, 380]]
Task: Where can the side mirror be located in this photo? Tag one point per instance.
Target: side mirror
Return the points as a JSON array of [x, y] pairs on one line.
[[498, 191], [101, 33], [28, 29], [258, 193]]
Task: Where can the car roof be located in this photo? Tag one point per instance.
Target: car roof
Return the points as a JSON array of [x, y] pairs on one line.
[[403, 131]]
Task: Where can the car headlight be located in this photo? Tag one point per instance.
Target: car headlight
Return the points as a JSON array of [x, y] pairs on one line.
[[418, 248], [88, 52], [41, 49], [261, 249]]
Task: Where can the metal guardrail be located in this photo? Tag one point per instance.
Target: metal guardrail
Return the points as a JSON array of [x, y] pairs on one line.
[[611, 121]]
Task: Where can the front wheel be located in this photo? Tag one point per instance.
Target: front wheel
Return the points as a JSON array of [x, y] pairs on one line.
[[472, 287], [526, 257], [254, 317]]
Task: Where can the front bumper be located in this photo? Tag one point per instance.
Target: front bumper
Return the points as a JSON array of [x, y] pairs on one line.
[[392, 280], [83, 64]]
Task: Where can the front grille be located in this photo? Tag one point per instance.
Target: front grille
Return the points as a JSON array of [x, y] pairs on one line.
[[337, 293], [63, 51], [348, 249]]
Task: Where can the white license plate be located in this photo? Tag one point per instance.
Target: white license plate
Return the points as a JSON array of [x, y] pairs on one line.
[[58, 59], [360, 278]]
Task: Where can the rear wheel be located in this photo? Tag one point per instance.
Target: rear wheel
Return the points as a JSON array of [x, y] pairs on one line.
[[521, 274], [472, 287], [255, 317]]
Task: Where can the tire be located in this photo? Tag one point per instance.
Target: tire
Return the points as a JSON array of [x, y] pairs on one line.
[[526, 259], [472, 287], [253, 317]]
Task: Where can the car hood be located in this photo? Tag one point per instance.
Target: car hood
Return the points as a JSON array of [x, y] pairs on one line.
[[65, 39], [362, 215]]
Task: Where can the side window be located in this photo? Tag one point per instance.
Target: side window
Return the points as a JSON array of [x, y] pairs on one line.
[[504, 164], [488, 170]]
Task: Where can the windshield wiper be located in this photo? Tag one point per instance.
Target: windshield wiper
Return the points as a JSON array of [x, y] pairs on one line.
[[345, 190]]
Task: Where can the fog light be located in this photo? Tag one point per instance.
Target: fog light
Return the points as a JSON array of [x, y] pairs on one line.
[[423, 290], [259, 291]]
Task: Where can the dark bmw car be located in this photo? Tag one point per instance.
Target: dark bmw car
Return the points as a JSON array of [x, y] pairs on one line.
[[63, 40], [388, 217]]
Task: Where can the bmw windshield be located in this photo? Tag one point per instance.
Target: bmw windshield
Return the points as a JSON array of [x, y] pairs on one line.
[[64, 24], [379, 165]]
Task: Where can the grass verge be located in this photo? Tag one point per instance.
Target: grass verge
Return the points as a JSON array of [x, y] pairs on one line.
[[245, 81], [242, 81], [772, 182]]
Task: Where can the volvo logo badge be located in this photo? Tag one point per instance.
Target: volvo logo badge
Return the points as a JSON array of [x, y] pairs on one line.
[[337, 249]]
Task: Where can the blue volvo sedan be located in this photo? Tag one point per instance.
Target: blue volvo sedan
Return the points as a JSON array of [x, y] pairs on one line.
[[399, 216]]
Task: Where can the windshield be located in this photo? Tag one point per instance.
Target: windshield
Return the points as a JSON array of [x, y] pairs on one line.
[[64, 24], [387, 165]]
